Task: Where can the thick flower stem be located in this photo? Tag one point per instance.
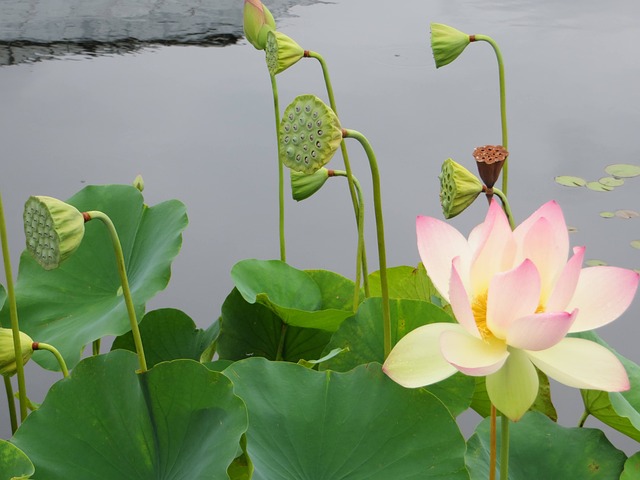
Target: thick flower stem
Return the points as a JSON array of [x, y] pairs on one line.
[[505, 207], [583, 418], [504, 448], [95, 347], [276, 108], [56, 353], [492, 444], [12, 405], [503, 106], [117, 247], [361, 264], [13, 313], [382, 256]]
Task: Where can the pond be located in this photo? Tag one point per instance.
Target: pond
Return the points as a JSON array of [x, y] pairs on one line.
[[197, 124]]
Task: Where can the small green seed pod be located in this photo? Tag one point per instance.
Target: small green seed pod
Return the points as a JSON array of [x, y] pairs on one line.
[[8, 354], [309, 134], [458, 188], [304, 185], [281, 52], [447, 43], [53, 230]]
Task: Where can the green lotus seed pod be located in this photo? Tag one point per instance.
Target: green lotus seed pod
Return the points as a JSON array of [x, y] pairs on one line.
[[282, 52], [8, 353], [257, 21], [458, 188], [447, 43], [303, 185], [53, 230], [138, 182], [309, 134]]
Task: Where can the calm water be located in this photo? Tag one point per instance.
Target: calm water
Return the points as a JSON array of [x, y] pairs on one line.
[[197, 123]]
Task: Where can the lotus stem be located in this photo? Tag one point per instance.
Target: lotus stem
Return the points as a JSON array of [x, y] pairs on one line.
[[503, 107], [492, 444], [505, 206], [361, 262], [504, 448], [583, 418], [276, 108], [56, 353], [283, 336], [117, 247], [95, 347], [382, 256], [12, 405], [13, 313]]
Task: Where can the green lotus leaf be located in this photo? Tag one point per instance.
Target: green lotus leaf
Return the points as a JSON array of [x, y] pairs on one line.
[[595, 263], [177, 420], [169, 334], [570, 181], [410, 283], [598, 187], [362, 338], [14, 464], [626, 214], [611, 181], [81, 301], [631, 468], [301, 299], [623, 170], [251, 329], [607, 214], [540, 448], [619, 410], [328, 425], [635, 244]]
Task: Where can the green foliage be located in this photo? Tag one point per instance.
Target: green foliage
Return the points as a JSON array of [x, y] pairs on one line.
[[631, 468], [15, 465]]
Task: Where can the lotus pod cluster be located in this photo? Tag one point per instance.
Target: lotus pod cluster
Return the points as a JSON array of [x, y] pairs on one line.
[[53, 230], [490, 159], [458, 188], [281, 52], [310, 134]]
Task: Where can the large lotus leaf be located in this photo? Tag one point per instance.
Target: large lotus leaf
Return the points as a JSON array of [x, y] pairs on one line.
[[362, 337], [357, 425], [619, 410], [541, 449], [253, 330], [410, 283], [81, 301], [631, 468], [14, 464], [169, 334], [294, 295], [177, 420]]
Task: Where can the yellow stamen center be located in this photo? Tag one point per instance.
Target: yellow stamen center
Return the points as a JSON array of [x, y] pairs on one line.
[[479, 309]]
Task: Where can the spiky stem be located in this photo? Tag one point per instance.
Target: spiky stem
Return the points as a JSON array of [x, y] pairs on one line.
[[276, 108]]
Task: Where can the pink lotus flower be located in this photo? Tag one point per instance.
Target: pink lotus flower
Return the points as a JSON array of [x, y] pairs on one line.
[[515, 297], [257, 21]]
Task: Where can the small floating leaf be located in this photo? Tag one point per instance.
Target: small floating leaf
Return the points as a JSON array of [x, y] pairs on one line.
[[623, 170], [595, 263], [598, 187], [635, 244], [569, 181], [611, 181], [607, 214], [572, 229], [627, 214]]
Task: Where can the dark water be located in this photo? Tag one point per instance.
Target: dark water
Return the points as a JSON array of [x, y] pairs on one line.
[[197, 123]]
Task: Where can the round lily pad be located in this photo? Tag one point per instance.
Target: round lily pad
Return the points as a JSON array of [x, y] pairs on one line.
[[627, 214], [570, 181], [635, 244], [607, 214], [611, 181], [623, 170], [598, 187], [595, 263]]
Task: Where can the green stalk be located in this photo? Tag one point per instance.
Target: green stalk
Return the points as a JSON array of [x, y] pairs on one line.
[[56, 353], [505, 206], [283, 336], [95, 347], [382, 256], [343, 147], [276, 108], [361, 260], [492, 444], [13, 313], [504, 448], [583, 418], [503, 106], [12, 404], [117, 247]]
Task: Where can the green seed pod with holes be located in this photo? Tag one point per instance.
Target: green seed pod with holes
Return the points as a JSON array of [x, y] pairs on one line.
[[53, 230], [458, 188], [8, 353], [303, 185], [281, 52], [309, 134], [447, 43]]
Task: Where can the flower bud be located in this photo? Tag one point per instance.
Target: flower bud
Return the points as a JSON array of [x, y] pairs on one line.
[[489, 160], [303, 185], [282, 52], [8, 353], [138, 182], [458, 188], [447, 43], [53, 230], [309, 134], [257, 21]]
